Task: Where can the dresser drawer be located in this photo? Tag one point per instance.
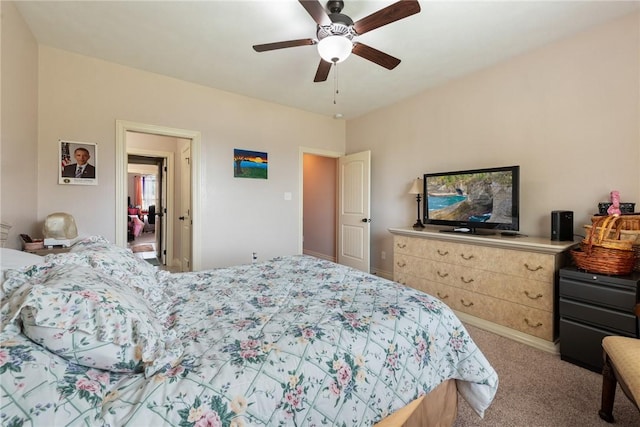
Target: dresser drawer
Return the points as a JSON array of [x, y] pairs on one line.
[[535, 266], [529, 265], [612, 296], [582, 344], [528, 292], [529, 320], [615, 321]]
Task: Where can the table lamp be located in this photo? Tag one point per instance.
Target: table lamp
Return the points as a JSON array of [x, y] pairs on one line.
[[417, 188]]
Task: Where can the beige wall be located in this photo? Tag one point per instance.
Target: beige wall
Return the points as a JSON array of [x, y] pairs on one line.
[[19, 125], [567, 113], [81, 98]]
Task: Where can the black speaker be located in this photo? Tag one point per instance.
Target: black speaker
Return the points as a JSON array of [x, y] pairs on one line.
[[561, 225]]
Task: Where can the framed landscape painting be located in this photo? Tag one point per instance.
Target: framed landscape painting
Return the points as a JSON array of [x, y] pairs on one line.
[[250, 164]]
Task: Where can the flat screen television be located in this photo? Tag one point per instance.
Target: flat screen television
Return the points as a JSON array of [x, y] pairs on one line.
[[472, 200]]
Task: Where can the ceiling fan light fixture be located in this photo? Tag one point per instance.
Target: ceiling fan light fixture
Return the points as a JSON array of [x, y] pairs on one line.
[[335, 48]]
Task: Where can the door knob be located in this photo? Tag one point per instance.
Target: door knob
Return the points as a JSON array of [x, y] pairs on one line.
[[181, 218], [366, 219]]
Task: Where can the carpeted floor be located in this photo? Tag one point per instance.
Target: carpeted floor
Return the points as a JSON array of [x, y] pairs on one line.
[[538, 389]]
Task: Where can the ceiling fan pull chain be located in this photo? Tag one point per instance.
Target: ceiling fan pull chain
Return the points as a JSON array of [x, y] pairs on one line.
[[335, 83]]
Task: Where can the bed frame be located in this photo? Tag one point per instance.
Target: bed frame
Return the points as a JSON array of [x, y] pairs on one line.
[[436, 409]]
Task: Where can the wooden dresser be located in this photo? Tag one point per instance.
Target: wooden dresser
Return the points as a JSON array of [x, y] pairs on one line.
[[504, 284]]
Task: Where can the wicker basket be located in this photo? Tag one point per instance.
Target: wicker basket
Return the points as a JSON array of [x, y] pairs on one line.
[[600, 253], [629, 235], [606, 232], [604, 261], [627, 221], [636, 266]]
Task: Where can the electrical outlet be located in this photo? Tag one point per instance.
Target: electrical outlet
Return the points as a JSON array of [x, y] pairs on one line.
[[383, 255]]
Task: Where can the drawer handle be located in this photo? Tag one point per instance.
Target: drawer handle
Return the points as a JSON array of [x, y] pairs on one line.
[[401, 264], [442, 296], [442, 275], [533, 269], [531, 325], [401, 245], [465, 257], [443, 253], [532, 296], [465, 304], [465, 280]]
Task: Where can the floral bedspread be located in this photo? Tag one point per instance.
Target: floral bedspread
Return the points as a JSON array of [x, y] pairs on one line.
[[295, 341]]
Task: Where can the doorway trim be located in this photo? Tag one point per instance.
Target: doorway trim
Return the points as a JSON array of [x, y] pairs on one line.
[[122, 127], [301, 152]]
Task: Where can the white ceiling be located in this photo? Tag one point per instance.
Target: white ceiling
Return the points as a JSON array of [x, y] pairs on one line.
[[210, 43]]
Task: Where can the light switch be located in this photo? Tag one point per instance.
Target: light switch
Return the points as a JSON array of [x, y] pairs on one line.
[[287, 195]]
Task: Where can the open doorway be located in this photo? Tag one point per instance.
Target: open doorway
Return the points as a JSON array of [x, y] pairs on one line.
[[156, 142], [146, 198], [318, 202], [351, 213], [319, 208]]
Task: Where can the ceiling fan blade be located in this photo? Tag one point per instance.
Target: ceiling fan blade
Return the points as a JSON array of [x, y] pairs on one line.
[[281, 45], [387, 15], [323, 71], [374, 55], [316, 10]]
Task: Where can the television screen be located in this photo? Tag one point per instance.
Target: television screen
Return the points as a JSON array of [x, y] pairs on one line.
[[472, 199]]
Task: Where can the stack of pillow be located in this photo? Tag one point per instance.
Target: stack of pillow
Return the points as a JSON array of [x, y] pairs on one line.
[[98, 306]]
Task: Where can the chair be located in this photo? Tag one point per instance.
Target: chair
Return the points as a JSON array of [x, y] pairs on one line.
[[621, 366]]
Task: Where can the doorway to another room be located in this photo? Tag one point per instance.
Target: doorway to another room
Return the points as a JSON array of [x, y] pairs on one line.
[[146, 194], [335, 208], [320, 206], [150, 157]]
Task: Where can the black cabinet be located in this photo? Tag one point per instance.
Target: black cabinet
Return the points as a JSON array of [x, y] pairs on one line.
[[592, 306]]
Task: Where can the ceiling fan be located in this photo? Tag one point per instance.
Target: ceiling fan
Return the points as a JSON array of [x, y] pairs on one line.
[[336, 34]]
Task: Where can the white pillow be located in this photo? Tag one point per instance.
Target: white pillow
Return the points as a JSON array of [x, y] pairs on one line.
[[11, 259]]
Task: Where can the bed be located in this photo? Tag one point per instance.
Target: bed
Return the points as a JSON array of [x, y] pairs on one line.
[[97, 336]]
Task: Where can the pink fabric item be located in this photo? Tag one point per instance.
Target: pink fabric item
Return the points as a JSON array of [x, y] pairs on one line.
[[615, 204], [136, 225]]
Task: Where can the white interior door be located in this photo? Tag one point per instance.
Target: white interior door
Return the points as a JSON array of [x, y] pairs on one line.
[[354, 209], [185, 209]]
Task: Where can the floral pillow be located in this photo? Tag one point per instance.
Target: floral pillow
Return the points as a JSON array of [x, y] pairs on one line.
[[91, 319], [121, 264]]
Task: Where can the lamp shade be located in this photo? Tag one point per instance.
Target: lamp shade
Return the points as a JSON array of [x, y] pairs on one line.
[[335, 48], [417, 187], [60, 225]]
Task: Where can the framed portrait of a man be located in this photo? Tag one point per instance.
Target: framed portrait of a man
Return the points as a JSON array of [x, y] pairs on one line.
[[78, 163]]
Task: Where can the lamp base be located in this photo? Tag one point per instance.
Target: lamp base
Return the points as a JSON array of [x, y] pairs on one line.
[[418, 224]]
